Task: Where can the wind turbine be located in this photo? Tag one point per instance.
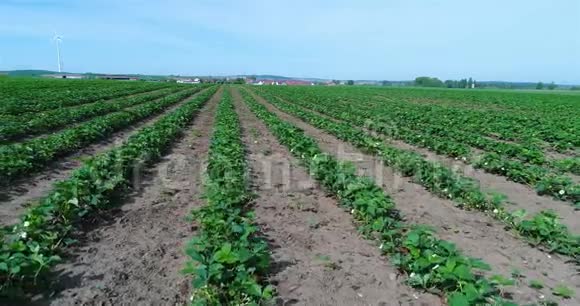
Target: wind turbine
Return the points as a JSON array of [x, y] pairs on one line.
[[58, 39]]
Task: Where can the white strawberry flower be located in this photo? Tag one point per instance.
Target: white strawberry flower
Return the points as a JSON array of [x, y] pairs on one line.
[[562, 192], [26, 224], [495, 211], [352, 211], [23, 235]]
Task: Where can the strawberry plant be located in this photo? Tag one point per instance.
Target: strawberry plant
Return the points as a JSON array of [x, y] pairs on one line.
[[30, 248], [19, 159], [42, 122], [21, 96], [429, 262], [228, 258], [442, 181]]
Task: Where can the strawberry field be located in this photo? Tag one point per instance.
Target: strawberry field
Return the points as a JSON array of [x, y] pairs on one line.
[[130, 193]]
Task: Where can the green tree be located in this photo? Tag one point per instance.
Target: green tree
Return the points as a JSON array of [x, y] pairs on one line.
[[428, 82], [540, 85], [350, 82], [552, 86]]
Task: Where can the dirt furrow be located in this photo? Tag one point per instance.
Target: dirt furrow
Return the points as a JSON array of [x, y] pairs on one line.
[[137, 257], [519, 196], [15, 197], [473, 233], [74, 124], [319, 258]]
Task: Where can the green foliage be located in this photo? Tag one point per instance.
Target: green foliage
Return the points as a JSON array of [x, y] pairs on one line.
[[428, 82], [563, 291], [21, 96], [545, 182], [30, 248], [14, 127], [428, 261], [536, 284], [228, 258], [542, 229], [22, 158]]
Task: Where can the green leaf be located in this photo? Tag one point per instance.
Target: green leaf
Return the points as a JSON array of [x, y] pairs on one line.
[[463, 272], [536, 284], [225, 254], [458, 299], [15, 270], [563, 291]]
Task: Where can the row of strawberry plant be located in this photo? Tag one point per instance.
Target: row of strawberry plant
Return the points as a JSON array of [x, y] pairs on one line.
[[30, 248], [430, 263], [44, 122], [24, 96], [228, 258], [544, 181], [543, 229], [19, 159], [418, 120], [438, 137], [568, 164], [528, 124]]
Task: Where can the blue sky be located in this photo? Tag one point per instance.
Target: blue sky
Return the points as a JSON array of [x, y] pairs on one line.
[[516, 40]]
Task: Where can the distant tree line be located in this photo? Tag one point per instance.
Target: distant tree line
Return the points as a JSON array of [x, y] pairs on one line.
[[425, 81], [463, 83], [550, 86]]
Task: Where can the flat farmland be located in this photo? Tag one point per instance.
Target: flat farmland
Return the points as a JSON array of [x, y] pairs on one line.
[[131, 193]]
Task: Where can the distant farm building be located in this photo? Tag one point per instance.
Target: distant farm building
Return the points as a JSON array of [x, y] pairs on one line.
[[281, 83], [189, 81], [64, 76]]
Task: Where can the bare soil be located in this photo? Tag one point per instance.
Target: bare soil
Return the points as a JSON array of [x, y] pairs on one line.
[[56, 130], [136, 257], [16, 197], [478, 236], [519, 196], [319, 258]]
